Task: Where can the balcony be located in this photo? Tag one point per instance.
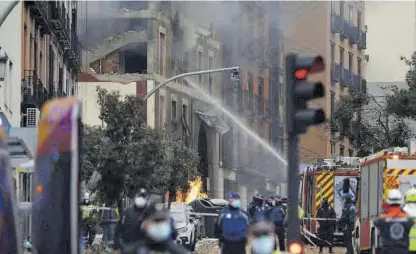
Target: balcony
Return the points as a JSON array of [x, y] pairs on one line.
[[346, 78], [55, 90], [74, 53], [356, 83], [33, 91], [362, 42], [337, 24], [352, 33], [60, 23], [39, 11]]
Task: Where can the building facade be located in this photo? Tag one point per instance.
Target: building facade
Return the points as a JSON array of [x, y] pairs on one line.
[[150, 41], [341, 39]]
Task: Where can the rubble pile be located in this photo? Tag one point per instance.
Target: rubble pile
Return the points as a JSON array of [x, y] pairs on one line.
[[207, 246]]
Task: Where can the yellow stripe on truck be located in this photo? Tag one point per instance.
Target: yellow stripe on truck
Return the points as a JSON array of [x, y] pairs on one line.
[[324, 188], [391, 178]]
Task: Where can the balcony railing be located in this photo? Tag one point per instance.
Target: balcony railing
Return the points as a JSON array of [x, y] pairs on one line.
[[33, 91], [40, 12], [338, 72], [337, 24], [55, 90], [362, 42], [346, 78]]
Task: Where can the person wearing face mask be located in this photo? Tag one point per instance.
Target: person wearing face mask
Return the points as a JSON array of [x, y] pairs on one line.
[[232, 227], [128, 232], [327, 224], [263, 238], [158, 234]]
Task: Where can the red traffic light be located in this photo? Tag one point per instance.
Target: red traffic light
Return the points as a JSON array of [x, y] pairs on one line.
[[311, 64], [301, 74]]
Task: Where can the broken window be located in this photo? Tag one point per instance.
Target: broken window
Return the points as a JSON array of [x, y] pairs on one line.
[[185, 113], [162, 53], [133, 58]]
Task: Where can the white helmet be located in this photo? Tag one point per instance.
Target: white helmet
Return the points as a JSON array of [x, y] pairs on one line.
[[395, 197], [86, 195]]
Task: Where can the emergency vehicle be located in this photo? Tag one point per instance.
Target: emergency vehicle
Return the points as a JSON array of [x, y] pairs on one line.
[[392, 168], [326, 181]]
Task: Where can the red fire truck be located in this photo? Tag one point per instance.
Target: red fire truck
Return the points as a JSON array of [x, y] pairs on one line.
[[389, 169]]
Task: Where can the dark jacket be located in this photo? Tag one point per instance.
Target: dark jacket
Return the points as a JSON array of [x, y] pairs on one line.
[[277, 216], [326, 212], [256, 213], [347, 216], [394, 226]]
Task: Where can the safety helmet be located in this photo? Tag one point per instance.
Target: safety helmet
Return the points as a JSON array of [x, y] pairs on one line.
[[394, 197], [86, 195], [258, 197], [411, 196]]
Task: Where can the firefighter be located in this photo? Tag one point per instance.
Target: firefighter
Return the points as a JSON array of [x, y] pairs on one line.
[[89, 218], [347, 221], [410, 209], [256, 210], [232, 227], [268, 207], [129, 233], [277, 217], [394, 225], [326, 227]]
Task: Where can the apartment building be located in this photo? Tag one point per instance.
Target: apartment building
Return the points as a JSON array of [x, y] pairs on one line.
[[150, 41], [340, 38]]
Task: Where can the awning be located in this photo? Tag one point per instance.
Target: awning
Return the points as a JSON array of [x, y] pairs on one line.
[[213, 121]]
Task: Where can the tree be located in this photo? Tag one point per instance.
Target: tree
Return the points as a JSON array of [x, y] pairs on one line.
[[402, 102], [128, 154], [369, 125]]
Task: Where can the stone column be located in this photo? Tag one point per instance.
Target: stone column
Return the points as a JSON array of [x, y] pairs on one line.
[[242, 190], [215, 173]]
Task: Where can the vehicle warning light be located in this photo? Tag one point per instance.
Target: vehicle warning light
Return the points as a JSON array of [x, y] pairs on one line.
[[295, 248]]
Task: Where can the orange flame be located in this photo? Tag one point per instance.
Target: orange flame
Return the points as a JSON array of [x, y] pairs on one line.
[[195, 191]]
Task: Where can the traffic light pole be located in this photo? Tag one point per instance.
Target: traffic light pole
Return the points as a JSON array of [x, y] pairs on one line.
[[293, 232]]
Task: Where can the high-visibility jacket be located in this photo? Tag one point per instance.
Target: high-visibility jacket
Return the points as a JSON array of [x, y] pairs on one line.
[[301, 213], [88, 211], [410, 209]]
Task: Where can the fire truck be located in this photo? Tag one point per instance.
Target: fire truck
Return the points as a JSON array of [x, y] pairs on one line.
[[325, 180], [392, 168]]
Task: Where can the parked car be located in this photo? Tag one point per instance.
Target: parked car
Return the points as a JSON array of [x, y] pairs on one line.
[[186, 224]]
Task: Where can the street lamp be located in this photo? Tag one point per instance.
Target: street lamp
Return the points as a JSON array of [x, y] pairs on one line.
[[234, 74], [3, 65]]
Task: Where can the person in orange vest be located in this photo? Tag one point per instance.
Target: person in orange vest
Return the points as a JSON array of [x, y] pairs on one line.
[[394, 225]]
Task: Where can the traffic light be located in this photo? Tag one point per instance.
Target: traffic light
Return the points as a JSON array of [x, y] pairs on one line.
[[300, 91]]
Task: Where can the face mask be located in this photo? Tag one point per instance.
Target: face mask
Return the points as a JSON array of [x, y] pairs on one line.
[[236, 203], [159, 231], [140, 201], [263, 245]]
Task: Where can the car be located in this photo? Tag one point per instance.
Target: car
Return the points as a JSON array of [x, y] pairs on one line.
[[186, 225]]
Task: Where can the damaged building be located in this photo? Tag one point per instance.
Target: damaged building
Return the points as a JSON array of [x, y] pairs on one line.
[[137, 45]]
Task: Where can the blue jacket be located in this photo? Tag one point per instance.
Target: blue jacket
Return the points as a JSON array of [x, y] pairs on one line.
[[232, 225], [277, 215], [257, 213]]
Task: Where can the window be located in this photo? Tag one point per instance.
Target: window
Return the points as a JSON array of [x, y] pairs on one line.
[[341, 9], [173, 110], [350, 14], [350, 152], [332, 148], [341, 57], [162, 53], [350, 63], [261, 95], [210, 67], [40, 65], [359, 67], [185, 113], [199, 65], [341, 150], [359, 15], [162, 111], [250, 90], [332, 105], [332, 55], [35, 57]]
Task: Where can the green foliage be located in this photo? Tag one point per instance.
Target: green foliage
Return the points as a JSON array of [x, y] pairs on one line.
[[402, 102], [376, 127], [128, 154]]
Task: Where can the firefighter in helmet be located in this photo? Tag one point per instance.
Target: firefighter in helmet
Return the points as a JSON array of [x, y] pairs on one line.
[[394, 225]]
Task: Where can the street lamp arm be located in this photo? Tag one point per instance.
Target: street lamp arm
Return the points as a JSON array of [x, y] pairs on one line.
[[151, 92], [8, 10]]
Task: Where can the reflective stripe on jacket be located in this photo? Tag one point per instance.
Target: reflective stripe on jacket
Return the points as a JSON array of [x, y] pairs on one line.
[[88, 210], [412, 239]]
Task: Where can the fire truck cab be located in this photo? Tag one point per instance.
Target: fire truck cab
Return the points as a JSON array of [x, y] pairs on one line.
[[392, 168], [325, 180]]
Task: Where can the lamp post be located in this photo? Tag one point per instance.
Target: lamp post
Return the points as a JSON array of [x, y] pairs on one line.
[[3, 65], [233, 69]]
